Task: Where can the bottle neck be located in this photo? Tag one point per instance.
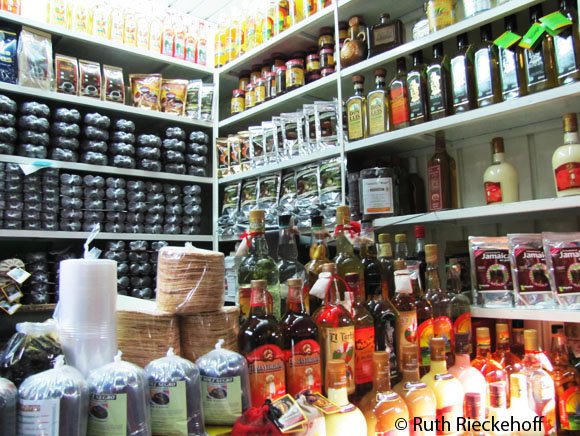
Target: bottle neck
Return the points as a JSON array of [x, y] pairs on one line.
[[483, 349], [295, 300], [401, 250], [259, 302], [357, 292], [380, 82], [259, 244], [560, 351], [438, 366], [419, 245], [337, 391], [385, 250], [382, 380], [433, 282], [411, 375], [318, 250], [453, 280], [358, 89], [518, 336], [571, 138], [287, 248], [343, 245], [498, 158], [417, 61], [333, 293]]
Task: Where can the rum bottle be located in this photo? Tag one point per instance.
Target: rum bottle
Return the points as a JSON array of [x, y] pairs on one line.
[[567, 46], [386, 260], [318, 256], [406, 327], [566, 159], [378, 105], [462, 77], [484, 362], [487, 83], [356, 111], [539, 59], [417, 87], [398, 97], [371, 263], [346, 260], [500, 180], [260, 341], [438, 85], [511, 64], [301, 348], [441, 173], [288, 264], [502, 354]]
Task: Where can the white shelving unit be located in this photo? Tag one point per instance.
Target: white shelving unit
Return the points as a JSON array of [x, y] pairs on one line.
[[553, 315]]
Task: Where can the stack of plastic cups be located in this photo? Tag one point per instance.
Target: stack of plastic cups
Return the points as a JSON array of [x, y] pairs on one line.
[[86, 313]]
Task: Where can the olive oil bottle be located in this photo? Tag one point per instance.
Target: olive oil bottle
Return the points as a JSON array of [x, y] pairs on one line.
[[438, 85], [511, 64], [378, 105], [356, 111]]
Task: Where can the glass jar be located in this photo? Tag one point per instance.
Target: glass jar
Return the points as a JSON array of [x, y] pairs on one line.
[[256, 73], [280, 80], [270, 86], [325, 37], [266, 68], [238, 103], [313, 63], [250, 96], [311, 77], [327, 71], [327, 58], [260, 91], [278, 60], [294, 74], [243, 79], [355, 47], [440, 13]]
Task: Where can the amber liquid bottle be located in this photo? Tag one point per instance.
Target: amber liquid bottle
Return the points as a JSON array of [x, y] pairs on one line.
[[517, 345], [406, 327], [424, 327], [487, 83], [438, 85], [462, 76], [378, 105], [417, 87], [356, 111], [539, 60], [567, 384], [318, 256], [386, 260], [511, 65], [260, 341], [442, 177], [300, 335], [484, 362], [372, 267], [346, 260], [399, 98], [567, 46]]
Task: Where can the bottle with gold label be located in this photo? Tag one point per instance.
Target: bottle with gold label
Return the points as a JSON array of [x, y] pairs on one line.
[[500, 180], [567, 46], [566, 159], [406, 326], [346, 260], [417, 87], [378, 105], [511, 65], [487, 81], [539, 60], [462, 77], [398, 97], [438, 84], [356, 111]]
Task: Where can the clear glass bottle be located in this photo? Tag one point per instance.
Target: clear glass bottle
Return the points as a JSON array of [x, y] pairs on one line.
[[511, 65], [288, 265], [378, 105], [462, 76], [346, 260], [401, 248], [438, 84], [404, 303], [398, 97], [417, 87], [356, 111], [487, 83], [460, 304], [567, 46], [566, 159], [500, 180], [539, 60]]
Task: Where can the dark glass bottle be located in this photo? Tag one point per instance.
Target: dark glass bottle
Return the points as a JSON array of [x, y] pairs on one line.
[[371, 264], [386, 34], [398, 97], [300, 334], [438, 85], [419, 252], [539, 60], [417, 89], [386, 259], [424, 327], [318, 256], [567, 46], [417, 187], [517, 345], [402, 187], [462, 77], [487, 83], [441, 178], [511, 65], [260, 341]]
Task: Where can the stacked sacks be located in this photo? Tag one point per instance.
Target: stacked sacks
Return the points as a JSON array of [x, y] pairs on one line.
[[196, 154], [115, 204], [65, 133], [8, 133], [173, 151], [155, 216], [95, 136], [71, 202], [38, 287], [13, 196], [191, 210], [173, 209], [140, 269], [122, 147], [50, 198], [94, 194], [148, 153], [34, 125]]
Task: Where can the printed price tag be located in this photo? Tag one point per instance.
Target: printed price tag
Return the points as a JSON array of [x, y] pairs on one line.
[[532, 36], [12, 292], [291, 416], [507, 39], [556, 21], [19, 275]]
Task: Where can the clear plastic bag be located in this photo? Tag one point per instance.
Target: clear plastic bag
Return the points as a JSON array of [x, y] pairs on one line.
[[61, 391], [8, 402], [307, 194], [35, 66], [175, 396]]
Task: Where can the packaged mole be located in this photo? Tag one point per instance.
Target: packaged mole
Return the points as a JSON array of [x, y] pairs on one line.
[[146, 89], [563, 259], [490, 271], [66, 74], [206, 101], [287, 201], [173, 93], [90, 79], [114, 84]]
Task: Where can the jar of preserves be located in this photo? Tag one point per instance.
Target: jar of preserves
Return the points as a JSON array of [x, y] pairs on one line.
[[250, 96], [243, 79], [260, 91], [280, 80], [294, 74], [313, 63], [278, 60], [327, 71], [238, 103], [311, 77], [299, 55], [325, 37], [270, 86], [327, 58], [256, 73]]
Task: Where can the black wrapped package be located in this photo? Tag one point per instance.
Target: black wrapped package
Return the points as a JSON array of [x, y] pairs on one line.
[[126, 137], [7, 105], [71, 202], [195, 148], [116, 205], [173, 157], [31, 150], [31, 137], [7, 120], [196, 160], [64, 155], [136, 196], [134, 228], [95, 119], [192, 190], [117, 256], [116, 217], [115, 182], [122, 148], [90, 157], [124, 162], [152, 153], [94, 181], [137, 206], [34, 108], [175, 168], [71, 190], [174, 144], [175, 132], [8, 134], [149, 141], [95, 134], [135, 246], [67, 130], [66, 143], [70, 225], [116, 246], [6, 148], [124, 126], [116, 193], [71, 179], [154, 187], [143, 293], [95, 146], [97, 193], [150, 165], [67, 115], [32, 122], [138, 256], [136, 185], [199, 137]]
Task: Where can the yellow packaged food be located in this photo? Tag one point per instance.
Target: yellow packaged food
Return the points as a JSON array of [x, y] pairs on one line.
[[173, 96], [58, 13], [145, 89], [130, 28], [81, 17], [117, 25], [155, 33], [143, 32], [101, 21]]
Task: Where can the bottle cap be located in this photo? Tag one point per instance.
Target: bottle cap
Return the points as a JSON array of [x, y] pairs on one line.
[[462, 343], [431, 253], [259, 284], [381, 72], [384, 238], [570, 123], [326, 31], [399, 265], [419, 230], [336, 372], [355, 21], [358, 79], [437, 346], [295, 283], [385, 15], [410, 357], [342, 215], [497, 145], [284, 220], [530, 340], [400, 237], [328, 267], [257, 215]]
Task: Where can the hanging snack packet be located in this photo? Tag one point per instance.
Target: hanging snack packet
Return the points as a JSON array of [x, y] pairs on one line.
[[90, 79], [235, 147], [257, 155], [326, 123], [293, 133], [66, 74], [8, 48], [563, 259], [270, 141], [307, 194], [230, 207], [268, 197], [246, 160], [114, 85], [192, 99], [35, 59], [146, 89], [330, 190], [309, 128]]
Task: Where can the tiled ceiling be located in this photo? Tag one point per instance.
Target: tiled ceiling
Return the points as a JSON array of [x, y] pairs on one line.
[[207, 9]]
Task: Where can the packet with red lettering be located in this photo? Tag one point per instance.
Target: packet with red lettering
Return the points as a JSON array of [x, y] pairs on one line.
[[563, 260]]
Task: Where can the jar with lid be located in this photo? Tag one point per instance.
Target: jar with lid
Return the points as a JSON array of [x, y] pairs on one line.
[[299, 55], [311, 77], [376, 191], [327, 71], [238, 103], [270, 86], [256, 72], [355, 47], [342, 33], [278, 60], [325, 37], [313, 63], [266, 68], [280, 80], [327, 58], [243, 79], [294, 74], [440, 14], [260, 91], [250, 96]]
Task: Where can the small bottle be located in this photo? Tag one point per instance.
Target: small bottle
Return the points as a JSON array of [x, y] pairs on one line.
[[386, 35], [566, 160], [511, 65], [438, 84], [417, 87], [356, 111], [398, 97], [487, 83], [417, 187], [462, 77], [406, 327], [442, 181], [500, 180], [378, 105], [567, 46], [539, 60]]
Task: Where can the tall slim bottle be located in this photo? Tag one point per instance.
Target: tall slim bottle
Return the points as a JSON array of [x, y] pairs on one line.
[[462, 76], [511, 65], [487, 83], [417, 87], [442, 177], [258, 265], [386, 260], [401, 248], [318, 256], [260, 341], [517, 345], [502, 354], [346, 260], [539, 60], [567, 46], [483, 362], [419, 251], [356, 111], [399, 98], [449, 407], [288, 264], [460, 304], [438, 85], [417, 188], [371, 263], [378, 105], [406, 327], [301, 348], [425, 330], [520, 410]]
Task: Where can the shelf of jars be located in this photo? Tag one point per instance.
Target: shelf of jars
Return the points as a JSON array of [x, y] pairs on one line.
[[42, 234], [112, 53], [552, 315], [518, 112], [101, 169]]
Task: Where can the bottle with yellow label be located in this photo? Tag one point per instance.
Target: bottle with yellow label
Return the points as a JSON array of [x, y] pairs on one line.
[[356, 111], [440, 14], [378, 105]]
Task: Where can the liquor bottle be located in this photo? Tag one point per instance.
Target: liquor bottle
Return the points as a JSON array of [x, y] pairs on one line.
[[487, 83], [502, 354], [442, 177], [438, 85], [440, 301], [383, 407], [567, 46], [350, 420], [424, 327], [462, 77], [318, 256], [419, 397], [356, 111], [539, 60], [483, 362], [378, 105], [520, 411], [498, 407], [417, 188], [386, 260], [472, 412], [517, 345], [258, 265], [500, 179], [449, 407], [346, 260], [419, 252], [566, 159], [460, 304], [370, 261], [511, 65], [288, 264], [301, 348], [386, 35], [406, 326], [401, 249], [398, 97], [335, 329], [567, 385], [417, 87], [260, 341], [471, 379], [364, 339]]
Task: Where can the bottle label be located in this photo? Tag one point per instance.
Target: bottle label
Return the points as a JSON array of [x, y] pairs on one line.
[[40, 417], [531, 270], [492, 192], [459, 79], [377, 114], [483, 65], [377, 196], [355, 121], [509, 73], [443, 328], [435, 188], [567, 406], [424, 336], [303, 367], [384, 35], [492, 270], [364, 349], [267, 375], [462, 324], [450, 415], [168, 406], [107, 415], [399, 104], [221, 399], [406, 329], [435, 86], [568, 176], [416, 107], [535, 68], [566, 265], [338, 343], [566, 61]]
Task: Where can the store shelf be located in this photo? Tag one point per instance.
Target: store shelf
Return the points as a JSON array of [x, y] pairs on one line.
[[554, 315], [105, 51], [41, 234], [102, 169], [97, 104], [322, 89], [489, 213], [493, 119], [301, 160], [464, 25]]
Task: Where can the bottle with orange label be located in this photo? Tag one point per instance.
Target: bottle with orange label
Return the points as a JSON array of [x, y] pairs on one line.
[[260, 341], [460, 304], [406, 326], [301, 348], [484, 362], [399, 97]]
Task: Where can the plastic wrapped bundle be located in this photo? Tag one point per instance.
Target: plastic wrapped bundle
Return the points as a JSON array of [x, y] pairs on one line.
[[62, 388], [116, 384], [169, 378], [225, 386], [8, 400]]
